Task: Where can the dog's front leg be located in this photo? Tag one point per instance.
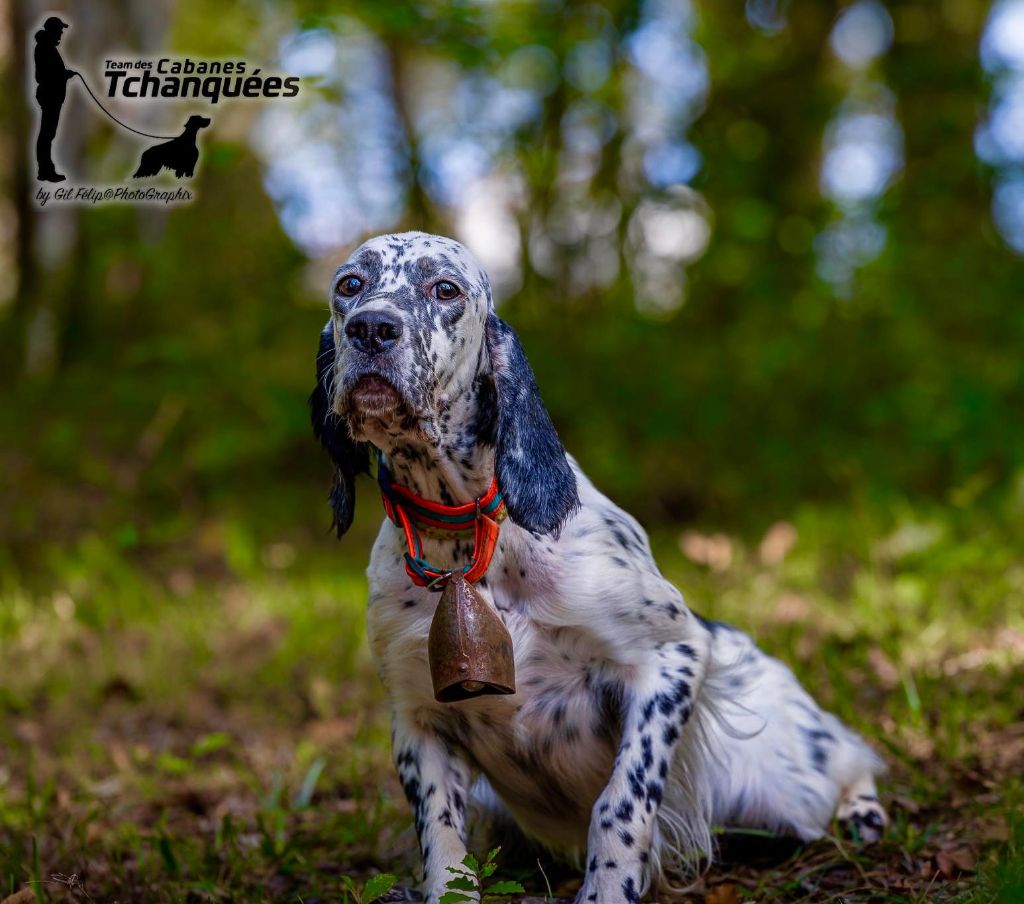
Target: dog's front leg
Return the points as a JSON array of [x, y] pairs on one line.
[[436, 783], [657, 707]]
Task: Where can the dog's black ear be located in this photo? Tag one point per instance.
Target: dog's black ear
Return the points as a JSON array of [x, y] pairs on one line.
[[533, 473], [350, 457]]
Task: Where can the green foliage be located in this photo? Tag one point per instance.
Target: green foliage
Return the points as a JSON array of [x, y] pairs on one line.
[[1002, 880], [374, 887], [251, 699], [467, 883], [185, 341]]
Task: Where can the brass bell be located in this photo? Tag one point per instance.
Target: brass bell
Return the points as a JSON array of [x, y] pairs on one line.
[[469, 647]]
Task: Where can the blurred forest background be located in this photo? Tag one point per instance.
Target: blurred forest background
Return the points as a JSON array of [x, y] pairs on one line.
[[766, 259]]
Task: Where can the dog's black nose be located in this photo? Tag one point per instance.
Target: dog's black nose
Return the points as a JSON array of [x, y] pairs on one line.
[[373, 331]]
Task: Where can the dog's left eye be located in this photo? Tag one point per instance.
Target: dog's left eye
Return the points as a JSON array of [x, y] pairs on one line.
[[446, 291], [350, 286]]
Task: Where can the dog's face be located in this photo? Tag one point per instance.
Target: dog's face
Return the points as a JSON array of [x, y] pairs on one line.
[[408, 314], [414, 354], [197, 122]]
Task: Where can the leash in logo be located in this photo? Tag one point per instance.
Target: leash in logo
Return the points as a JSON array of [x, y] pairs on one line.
[[114, 118], [413, 514]]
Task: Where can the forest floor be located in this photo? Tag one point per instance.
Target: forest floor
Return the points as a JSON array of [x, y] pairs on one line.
[[201, 721]]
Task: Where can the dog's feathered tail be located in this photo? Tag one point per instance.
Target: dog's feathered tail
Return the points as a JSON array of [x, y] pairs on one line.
[[146, 168], [684, 844]]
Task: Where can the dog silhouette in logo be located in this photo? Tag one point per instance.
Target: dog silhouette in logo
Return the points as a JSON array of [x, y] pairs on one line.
[[179, 154]]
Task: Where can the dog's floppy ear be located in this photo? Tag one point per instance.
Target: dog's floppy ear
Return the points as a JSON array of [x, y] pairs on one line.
[[349, 457], [533, 473]]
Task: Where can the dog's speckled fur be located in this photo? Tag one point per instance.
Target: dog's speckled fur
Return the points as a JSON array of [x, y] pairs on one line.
[[637, 725]]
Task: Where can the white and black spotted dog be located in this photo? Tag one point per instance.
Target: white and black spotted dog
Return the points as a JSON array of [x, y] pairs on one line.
[[637, 725]]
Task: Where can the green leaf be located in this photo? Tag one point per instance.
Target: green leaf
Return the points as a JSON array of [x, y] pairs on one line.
[[305, 793], [489, 865], [505, 887], [350, 887], [453, 897], [127, 536], [211, 743], [462, 883], [471, 863], [173, 765], [378, 885], [167, 853]]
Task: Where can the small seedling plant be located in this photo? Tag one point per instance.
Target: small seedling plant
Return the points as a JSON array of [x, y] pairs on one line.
[[467, 882], [375, 887]]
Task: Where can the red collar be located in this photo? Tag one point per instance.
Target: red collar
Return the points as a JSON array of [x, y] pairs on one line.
[[413, 513]]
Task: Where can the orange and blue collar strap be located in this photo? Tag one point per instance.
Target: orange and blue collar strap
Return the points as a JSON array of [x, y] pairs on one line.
[[482, 517]]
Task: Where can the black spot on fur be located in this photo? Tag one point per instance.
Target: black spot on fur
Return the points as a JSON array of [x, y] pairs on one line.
[[647, 711], [817, 739], [646, 748]]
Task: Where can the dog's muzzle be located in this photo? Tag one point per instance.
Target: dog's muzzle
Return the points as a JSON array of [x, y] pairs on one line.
[[373, 394]]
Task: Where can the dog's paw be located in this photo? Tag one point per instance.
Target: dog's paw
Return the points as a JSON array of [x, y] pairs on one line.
[[862, 818]]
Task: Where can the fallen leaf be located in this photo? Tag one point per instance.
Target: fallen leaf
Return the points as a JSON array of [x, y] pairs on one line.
[[953, 862], [791, 608], [994, 830], [567, 889], [778, 542], [886, 672], [331, 732], [722, 894], [25, 896], [906, 803], [714, 550]]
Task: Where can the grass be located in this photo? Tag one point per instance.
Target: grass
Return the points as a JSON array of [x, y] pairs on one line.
[[198, 719]]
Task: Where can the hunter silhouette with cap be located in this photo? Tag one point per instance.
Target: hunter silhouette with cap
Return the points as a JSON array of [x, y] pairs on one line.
[[52, 79]]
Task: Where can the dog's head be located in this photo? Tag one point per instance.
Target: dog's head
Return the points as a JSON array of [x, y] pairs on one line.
[[413, 336], [196, 122]]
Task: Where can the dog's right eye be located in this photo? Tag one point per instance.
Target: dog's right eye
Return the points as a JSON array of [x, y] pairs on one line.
[[350, 286]]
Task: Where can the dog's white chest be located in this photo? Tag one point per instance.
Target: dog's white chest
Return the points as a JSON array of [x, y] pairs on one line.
[[547, 750]]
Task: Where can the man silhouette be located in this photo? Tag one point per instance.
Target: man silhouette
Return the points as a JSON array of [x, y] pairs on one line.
[[52, 80]]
